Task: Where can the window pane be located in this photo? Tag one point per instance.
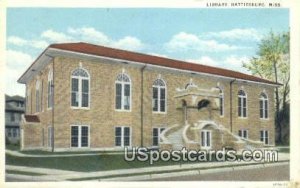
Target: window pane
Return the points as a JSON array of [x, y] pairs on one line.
[[74, 98], [155, 132], [162, 93], [162, 106], [84, 136], [155, 141], [118, 131], [118, 136], [85, 100], [239, 107], [203, 138], [244, 112], [74, 136], [266, 109], [127, 141], [118, 95], [85, 86], [127, 96], [75, 88], [85, 93], [118, 141], [208, 138], [221, 105], [75, 84], [240, 133], [245, 134], [126, 131]]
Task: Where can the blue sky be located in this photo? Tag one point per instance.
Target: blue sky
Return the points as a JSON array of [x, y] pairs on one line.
[[217, 37]]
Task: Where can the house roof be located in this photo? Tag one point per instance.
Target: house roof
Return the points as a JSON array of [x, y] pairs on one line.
[[102, 51], [14, 98], [32, 118]]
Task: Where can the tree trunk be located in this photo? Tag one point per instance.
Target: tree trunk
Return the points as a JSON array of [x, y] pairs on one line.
[[277, 118]]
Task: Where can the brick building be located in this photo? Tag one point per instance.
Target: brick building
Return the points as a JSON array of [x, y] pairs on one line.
[[81, 96]]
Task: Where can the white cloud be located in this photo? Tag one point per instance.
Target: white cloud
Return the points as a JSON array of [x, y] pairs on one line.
[[186, 41], [204, 60], [232, 62], [16, 63], [235, 63], [236, 34], [89, 34], [129, 43], [16, 41], [39, 44], [56, 36]]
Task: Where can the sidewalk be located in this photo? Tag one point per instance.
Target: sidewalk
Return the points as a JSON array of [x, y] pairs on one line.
[[148, 172]]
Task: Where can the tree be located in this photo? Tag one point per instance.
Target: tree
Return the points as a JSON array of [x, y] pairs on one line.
[[273, 62]]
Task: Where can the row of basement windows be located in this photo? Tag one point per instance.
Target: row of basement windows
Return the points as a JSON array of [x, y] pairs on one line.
[[264, 135], [80, 94], [80, 136]]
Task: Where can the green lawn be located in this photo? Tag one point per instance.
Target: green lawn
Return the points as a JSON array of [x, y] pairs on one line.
[[84, 163]]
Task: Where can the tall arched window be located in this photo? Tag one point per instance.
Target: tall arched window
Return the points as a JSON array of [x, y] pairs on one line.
[[242, 104], [50, 89], [263, 106], [37, 96], [80, 89], [159, 96], [221, 95], [123, 92]]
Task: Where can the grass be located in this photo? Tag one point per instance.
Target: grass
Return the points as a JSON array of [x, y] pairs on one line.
[[14, 147], [86, 163], [284, 150], [23, 173]]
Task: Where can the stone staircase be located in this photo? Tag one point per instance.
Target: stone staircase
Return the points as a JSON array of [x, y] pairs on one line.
[[176, 139]]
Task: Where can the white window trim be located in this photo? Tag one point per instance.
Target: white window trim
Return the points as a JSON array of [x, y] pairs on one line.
[[122, 136], [243, 136], [166, 99], [206, 147], [267, 101], [159, 134], [122, 94], [79, 136], [80, 89], [264, 137], [242, 112]]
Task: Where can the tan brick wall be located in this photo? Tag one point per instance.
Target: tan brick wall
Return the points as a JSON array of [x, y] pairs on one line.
[[102, 116]]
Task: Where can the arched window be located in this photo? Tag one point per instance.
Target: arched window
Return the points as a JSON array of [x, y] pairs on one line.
[[123, 92], [221, 95], [159, 96], [37, 96], [263, 106], [242, 104], [80, 89], [50, 89]]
